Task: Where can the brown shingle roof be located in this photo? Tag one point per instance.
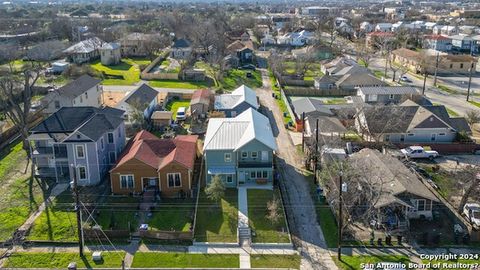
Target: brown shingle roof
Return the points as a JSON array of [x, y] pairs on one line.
[[158, 153]]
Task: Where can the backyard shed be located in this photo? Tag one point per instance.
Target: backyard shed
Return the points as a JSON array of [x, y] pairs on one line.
[[161, 119]]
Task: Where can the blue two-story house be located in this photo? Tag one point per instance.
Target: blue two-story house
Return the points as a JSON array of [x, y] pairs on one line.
[[81, 140], [236, 102], [240, 149]]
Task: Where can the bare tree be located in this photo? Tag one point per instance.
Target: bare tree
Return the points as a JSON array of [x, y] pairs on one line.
[[470, 179], [16, 91], [303, 64], [154, 43], [365, 53], [136, 116], [274, 213], [472, 117]]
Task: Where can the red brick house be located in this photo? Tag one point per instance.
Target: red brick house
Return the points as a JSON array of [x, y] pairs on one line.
[[148, 162]]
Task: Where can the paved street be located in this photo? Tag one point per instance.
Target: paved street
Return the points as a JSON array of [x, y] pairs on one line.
[[456, 103], [306, 233]]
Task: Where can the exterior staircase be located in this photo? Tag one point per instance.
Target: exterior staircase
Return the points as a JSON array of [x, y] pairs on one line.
[[244, 236]]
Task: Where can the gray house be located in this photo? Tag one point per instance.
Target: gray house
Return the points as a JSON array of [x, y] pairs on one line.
[[84, 51], [88, 138], [144, 98], [345, 79], [388, 94], [401, 195], [240, 149], [409, 123], [84, 91], [237, 101]]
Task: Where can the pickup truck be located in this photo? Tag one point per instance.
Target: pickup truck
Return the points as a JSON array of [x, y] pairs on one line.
[[418, 152], [472, 213]]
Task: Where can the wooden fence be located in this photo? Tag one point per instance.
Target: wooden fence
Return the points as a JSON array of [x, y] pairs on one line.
[[95, 234], [166, 235]]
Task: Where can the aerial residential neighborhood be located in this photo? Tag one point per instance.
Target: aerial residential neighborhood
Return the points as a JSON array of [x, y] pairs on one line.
[[265, 134]]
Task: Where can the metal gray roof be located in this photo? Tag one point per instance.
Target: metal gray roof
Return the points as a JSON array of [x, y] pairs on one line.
[[233, 133]]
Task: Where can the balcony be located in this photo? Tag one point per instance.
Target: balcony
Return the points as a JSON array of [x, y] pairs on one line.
[[255, 164], [61, 152]]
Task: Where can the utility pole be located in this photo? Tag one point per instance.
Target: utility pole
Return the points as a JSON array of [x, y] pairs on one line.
[[437, 60], [315, 159], [470, 81], [340, 216], [303, 132], [425, 75], [78, 211]]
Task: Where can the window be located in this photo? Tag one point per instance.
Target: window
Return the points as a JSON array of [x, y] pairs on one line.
[[228, 157], [451, 66], [80, 151], [86, 95], [411, 134], [254, 154], [252, 174], [391, 96], [81, 99], [229, 178], [265, 174], [110, 137], [112, 156], [102, 143], [402, 138], [57, 104], [82, 173], [119, 133], [259, 174], [244, 154], [461, 65], [387, 137], [126, 181], [174, 180], [79, 136], [420, 205]]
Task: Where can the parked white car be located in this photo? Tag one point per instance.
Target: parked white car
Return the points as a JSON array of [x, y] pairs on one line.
[[181, 113], [472, 212], [418, 152]]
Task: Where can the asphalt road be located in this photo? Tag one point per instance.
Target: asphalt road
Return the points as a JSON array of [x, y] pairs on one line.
[[456, 103]]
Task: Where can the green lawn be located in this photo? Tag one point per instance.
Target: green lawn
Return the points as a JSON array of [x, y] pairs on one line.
[[354, 262], [178, 84], [178, 218], [380, 74], [281, 104], [442, 179], [20, 194], [325, 217], [447, 89], [217, 222], [314, 70], [61, 260], [173, 106], [265, 231], [57, 222], [118, 212], [184, 260], [475, 103], [128, 72], [235, 77], [275, 261]]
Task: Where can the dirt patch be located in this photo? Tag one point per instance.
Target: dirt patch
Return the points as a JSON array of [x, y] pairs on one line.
[[112, 98]]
